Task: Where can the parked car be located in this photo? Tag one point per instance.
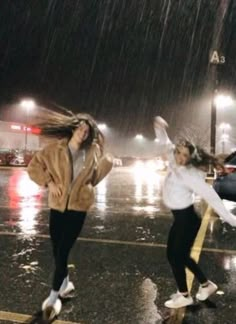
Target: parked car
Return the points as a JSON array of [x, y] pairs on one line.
[[18, 161], [117, 162], [225, 181]]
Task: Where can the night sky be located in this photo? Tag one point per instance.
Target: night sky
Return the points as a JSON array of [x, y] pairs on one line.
[[123, 61]]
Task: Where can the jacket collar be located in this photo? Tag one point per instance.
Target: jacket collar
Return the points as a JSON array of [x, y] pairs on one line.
[[90, 153]]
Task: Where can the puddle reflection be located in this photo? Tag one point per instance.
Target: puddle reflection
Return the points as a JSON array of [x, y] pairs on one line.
[[25, 195]]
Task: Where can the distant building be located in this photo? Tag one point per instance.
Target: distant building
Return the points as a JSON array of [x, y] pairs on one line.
[[13, 136]]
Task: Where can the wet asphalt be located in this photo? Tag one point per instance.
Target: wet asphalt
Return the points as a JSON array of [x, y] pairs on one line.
[[118, 264]]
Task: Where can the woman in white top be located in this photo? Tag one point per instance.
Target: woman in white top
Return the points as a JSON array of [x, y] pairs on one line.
[[185, 178]]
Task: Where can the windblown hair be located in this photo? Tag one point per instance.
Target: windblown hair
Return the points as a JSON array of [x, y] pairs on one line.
[[56, 125], [200, 158]]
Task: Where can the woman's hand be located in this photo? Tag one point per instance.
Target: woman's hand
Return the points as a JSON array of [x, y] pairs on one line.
[[159, 122], [55, 190]]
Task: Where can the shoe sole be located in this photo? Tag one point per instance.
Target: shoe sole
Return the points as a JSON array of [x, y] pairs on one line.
[[171, 307], [67, 293], [49, 314]]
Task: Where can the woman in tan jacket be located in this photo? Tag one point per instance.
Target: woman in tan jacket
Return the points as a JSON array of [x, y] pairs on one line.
[[70, 168]]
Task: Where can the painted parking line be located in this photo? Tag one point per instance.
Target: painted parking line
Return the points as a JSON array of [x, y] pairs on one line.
[[176, 316], [195, 254], [196, 248], [24, 318]]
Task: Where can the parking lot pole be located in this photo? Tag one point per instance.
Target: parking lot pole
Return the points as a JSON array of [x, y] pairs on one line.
[[26, 123], [215, 59], [213, 110]]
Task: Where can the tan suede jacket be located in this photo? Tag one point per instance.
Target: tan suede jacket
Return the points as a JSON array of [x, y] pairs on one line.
[[53, 164]]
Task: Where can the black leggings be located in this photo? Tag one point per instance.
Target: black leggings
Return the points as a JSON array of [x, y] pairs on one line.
[[180, 241], [64, 229]]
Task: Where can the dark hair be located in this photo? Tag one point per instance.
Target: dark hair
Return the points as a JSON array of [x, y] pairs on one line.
[[200, 158], [186, 144], [60, 126]]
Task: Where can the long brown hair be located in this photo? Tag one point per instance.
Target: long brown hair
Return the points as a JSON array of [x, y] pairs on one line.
[[58, 126], [199, 157]]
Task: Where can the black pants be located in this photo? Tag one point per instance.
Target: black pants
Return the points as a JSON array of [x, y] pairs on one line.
[[64, 229], [180, 241]]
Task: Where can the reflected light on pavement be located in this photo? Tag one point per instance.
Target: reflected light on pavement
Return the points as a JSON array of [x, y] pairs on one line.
[[25, 195], [22, 191], [101, 195], [229, 262], [147, 209], [138, 189], [26, 188], [27, 221], [150, 192], [147, 182]]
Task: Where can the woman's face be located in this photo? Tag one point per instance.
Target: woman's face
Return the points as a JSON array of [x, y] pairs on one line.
[[182, 155], [81, 133]]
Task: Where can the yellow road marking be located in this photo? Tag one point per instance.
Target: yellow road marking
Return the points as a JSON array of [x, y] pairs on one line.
[[177, 315], [24, 318], [195, 254]]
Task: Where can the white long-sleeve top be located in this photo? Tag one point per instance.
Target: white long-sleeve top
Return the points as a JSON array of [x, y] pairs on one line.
[[183, 182]]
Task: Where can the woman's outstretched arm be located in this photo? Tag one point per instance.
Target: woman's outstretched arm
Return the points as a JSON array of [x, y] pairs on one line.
[[195, 180], [164, 144]]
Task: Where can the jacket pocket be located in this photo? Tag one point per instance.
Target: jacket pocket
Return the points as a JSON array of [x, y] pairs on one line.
[[57, 202], [86, 195]]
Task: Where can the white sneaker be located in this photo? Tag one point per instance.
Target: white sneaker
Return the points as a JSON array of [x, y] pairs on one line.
[[205, 292], [65, 292], [50, 311], [179, 301]]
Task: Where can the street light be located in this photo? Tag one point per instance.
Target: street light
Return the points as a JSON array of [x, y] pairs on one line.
[[224, 127], [27, 105], [223, 101], [102, 127], [139, 137]]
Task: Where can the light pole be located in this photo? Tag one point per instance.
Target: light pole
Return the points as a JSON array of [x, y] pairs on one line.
[[224, 136], [213, 125], [27, 105], [218, 101], [216, 59]]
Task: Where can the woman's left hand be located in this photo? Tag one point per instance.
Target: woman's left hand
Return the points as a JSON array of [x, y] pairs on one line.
[[160, 122]]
